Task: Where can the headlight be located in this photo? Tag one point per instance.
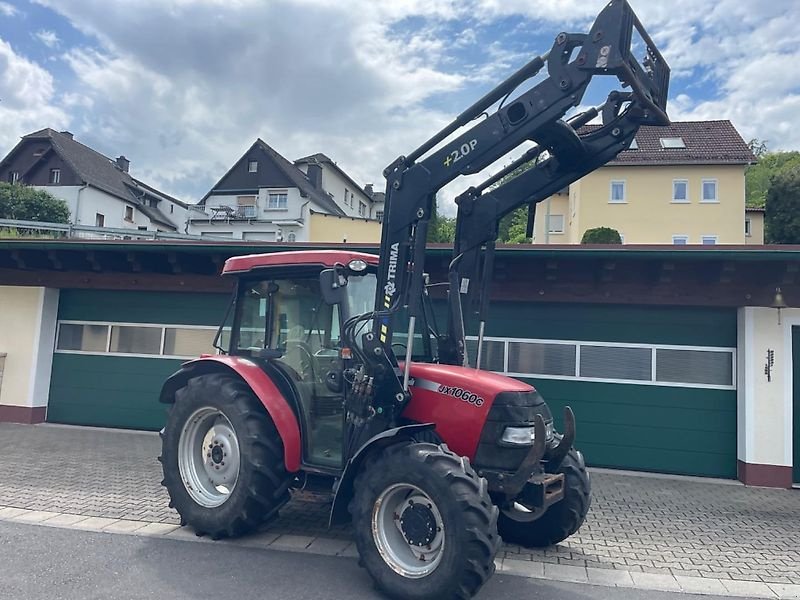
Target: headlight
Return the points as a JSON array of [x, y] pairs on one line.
[[357, 265], [523, 436], [518, 436]]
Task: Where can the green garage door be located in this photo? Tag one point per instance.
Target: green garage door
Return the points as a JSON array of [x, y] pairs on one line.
[[115, 349], [652, 388]]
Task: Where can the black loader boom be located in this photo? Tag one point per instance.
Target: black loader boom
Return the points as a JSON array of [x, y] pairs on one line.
[[563, 154]]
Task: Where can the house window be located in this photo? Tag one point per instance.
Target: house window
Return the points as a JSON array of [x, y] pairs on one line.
[[277, 200], [379, 215], [129, 213], [709, 190], [672, 143], [680, 190], [555, 223], [362, 209], [13, 176], [83, 337], [292, 236], [617, 192], [135, 340], [171, 208], [680, 240], [748, 227], [55, 175], [246, 207], [185, 341], [99, 220], [709, 240], [252, 166], [348, 200]]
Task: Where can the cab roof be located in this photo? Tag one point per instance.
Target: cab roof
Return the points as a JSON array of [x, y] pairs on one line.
[[322, 258]]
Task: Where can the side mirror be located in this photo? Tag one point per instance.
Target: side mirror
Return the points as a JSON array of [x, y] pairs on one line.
[[332, 283]]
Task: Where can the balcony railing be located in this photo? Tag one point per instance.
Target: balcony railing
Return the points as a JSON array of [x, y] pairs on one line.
[[12, 229]]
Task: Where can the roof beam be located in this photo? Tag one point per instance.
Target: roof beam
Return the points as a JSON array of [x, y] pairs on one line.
[[133, 261], [55, 260], [174, 261], [790, 274], [551, 270], [94, 263], [18, 260]]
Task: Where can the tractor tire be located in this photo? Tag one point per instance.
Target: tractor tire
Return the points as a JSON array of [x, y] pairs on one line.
[[215, 418], [425, 526], [562, 519]]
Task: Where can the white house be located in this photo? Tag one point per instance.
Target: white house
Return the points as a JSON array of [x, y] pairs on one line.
[[99, 191], [265, 197]]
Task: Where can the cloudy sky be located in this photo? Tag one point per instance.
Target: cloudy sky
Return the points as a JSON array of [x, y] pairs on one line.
[[183, 87]]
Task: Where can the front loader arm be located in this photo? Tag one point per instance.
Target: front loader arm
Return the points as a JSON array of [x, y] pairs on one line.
[[570, 154], [535, 115]]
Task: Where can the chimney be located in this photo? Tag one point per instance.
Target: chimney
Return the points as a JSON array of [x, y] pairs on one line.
[[368, 190], [123, 164], [67, 133], [314, 174]]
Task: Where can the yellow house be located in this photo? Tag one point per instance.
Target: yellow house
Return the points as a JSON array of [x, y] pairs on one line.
[[336, 228], [754, 225], [681, 184]]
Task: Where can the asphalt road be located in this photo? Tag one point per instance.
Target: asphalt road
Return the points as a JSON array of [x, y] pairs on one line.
[[47, 563]]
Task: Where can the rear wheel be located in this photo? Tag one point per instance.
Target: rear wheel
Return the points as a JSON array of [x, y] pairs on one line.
[[424, 523], [522, 526], [222, 457]]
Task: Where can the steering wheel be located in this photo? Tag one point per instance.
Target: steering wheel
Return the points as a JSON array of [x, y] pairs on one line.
[[306, 357]]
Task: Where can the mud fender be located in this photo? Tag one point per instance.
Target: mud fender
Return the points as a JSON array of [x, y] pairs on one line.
[[344, 487], [263, 387]]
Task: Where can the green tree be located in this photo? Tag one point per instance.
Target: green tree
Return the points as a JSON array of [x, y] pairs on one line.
[[601, 235], [511, 229], [517, 229], [24, 203], [441, 229], [759, 176], [758, 147], [782, 211]]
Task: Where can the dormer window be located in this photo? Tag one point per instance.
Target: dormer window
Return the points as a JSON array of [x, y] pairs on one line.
[[670, 143], [55, 175], [252, 166]]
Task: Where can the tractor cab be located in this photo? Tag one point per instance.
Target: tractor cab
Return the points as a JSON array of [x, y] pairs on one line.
[[287, 315]]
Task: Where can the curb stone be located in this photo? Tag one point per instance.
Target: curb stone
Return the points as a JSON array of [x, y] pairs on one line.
[[334, 547]]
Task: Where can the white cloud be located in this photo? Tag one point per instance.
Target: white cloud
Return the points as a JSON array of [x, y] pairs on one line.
[[48, 38], [8, 10], [26, 97], [183, 87]]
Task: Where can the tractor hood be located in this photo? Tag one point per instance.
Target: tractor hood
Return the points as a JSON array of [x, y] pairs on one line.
[[483, 384]]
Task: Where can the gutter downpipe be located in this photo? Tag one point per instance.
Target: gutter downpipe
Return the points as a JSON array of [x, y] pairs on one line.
[[78, 203]]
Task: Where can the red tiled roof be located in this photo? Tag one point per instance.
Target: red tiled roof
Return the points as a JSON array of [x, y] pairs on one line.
[[707, 143]]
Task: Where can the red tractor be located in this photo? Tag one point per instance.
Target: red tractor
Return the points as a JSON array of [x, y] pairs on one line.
[[434, 460]]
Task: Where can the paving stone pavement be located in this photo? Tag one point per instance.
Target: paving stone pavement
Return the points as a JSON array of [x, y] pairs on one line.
[[639, 524]]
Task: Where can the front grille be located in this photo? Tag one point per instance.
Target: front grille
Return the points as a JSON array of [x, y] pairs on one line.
[[509, 408]]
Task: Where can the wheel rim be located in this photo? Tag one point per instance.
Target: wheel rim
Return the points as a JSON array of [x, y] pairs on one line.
[[408, 530], [208, 457]]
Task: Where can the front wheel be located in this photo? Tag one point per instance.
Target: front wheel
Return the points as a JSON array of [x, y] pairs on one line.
[[425, 526], [521, 526]]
